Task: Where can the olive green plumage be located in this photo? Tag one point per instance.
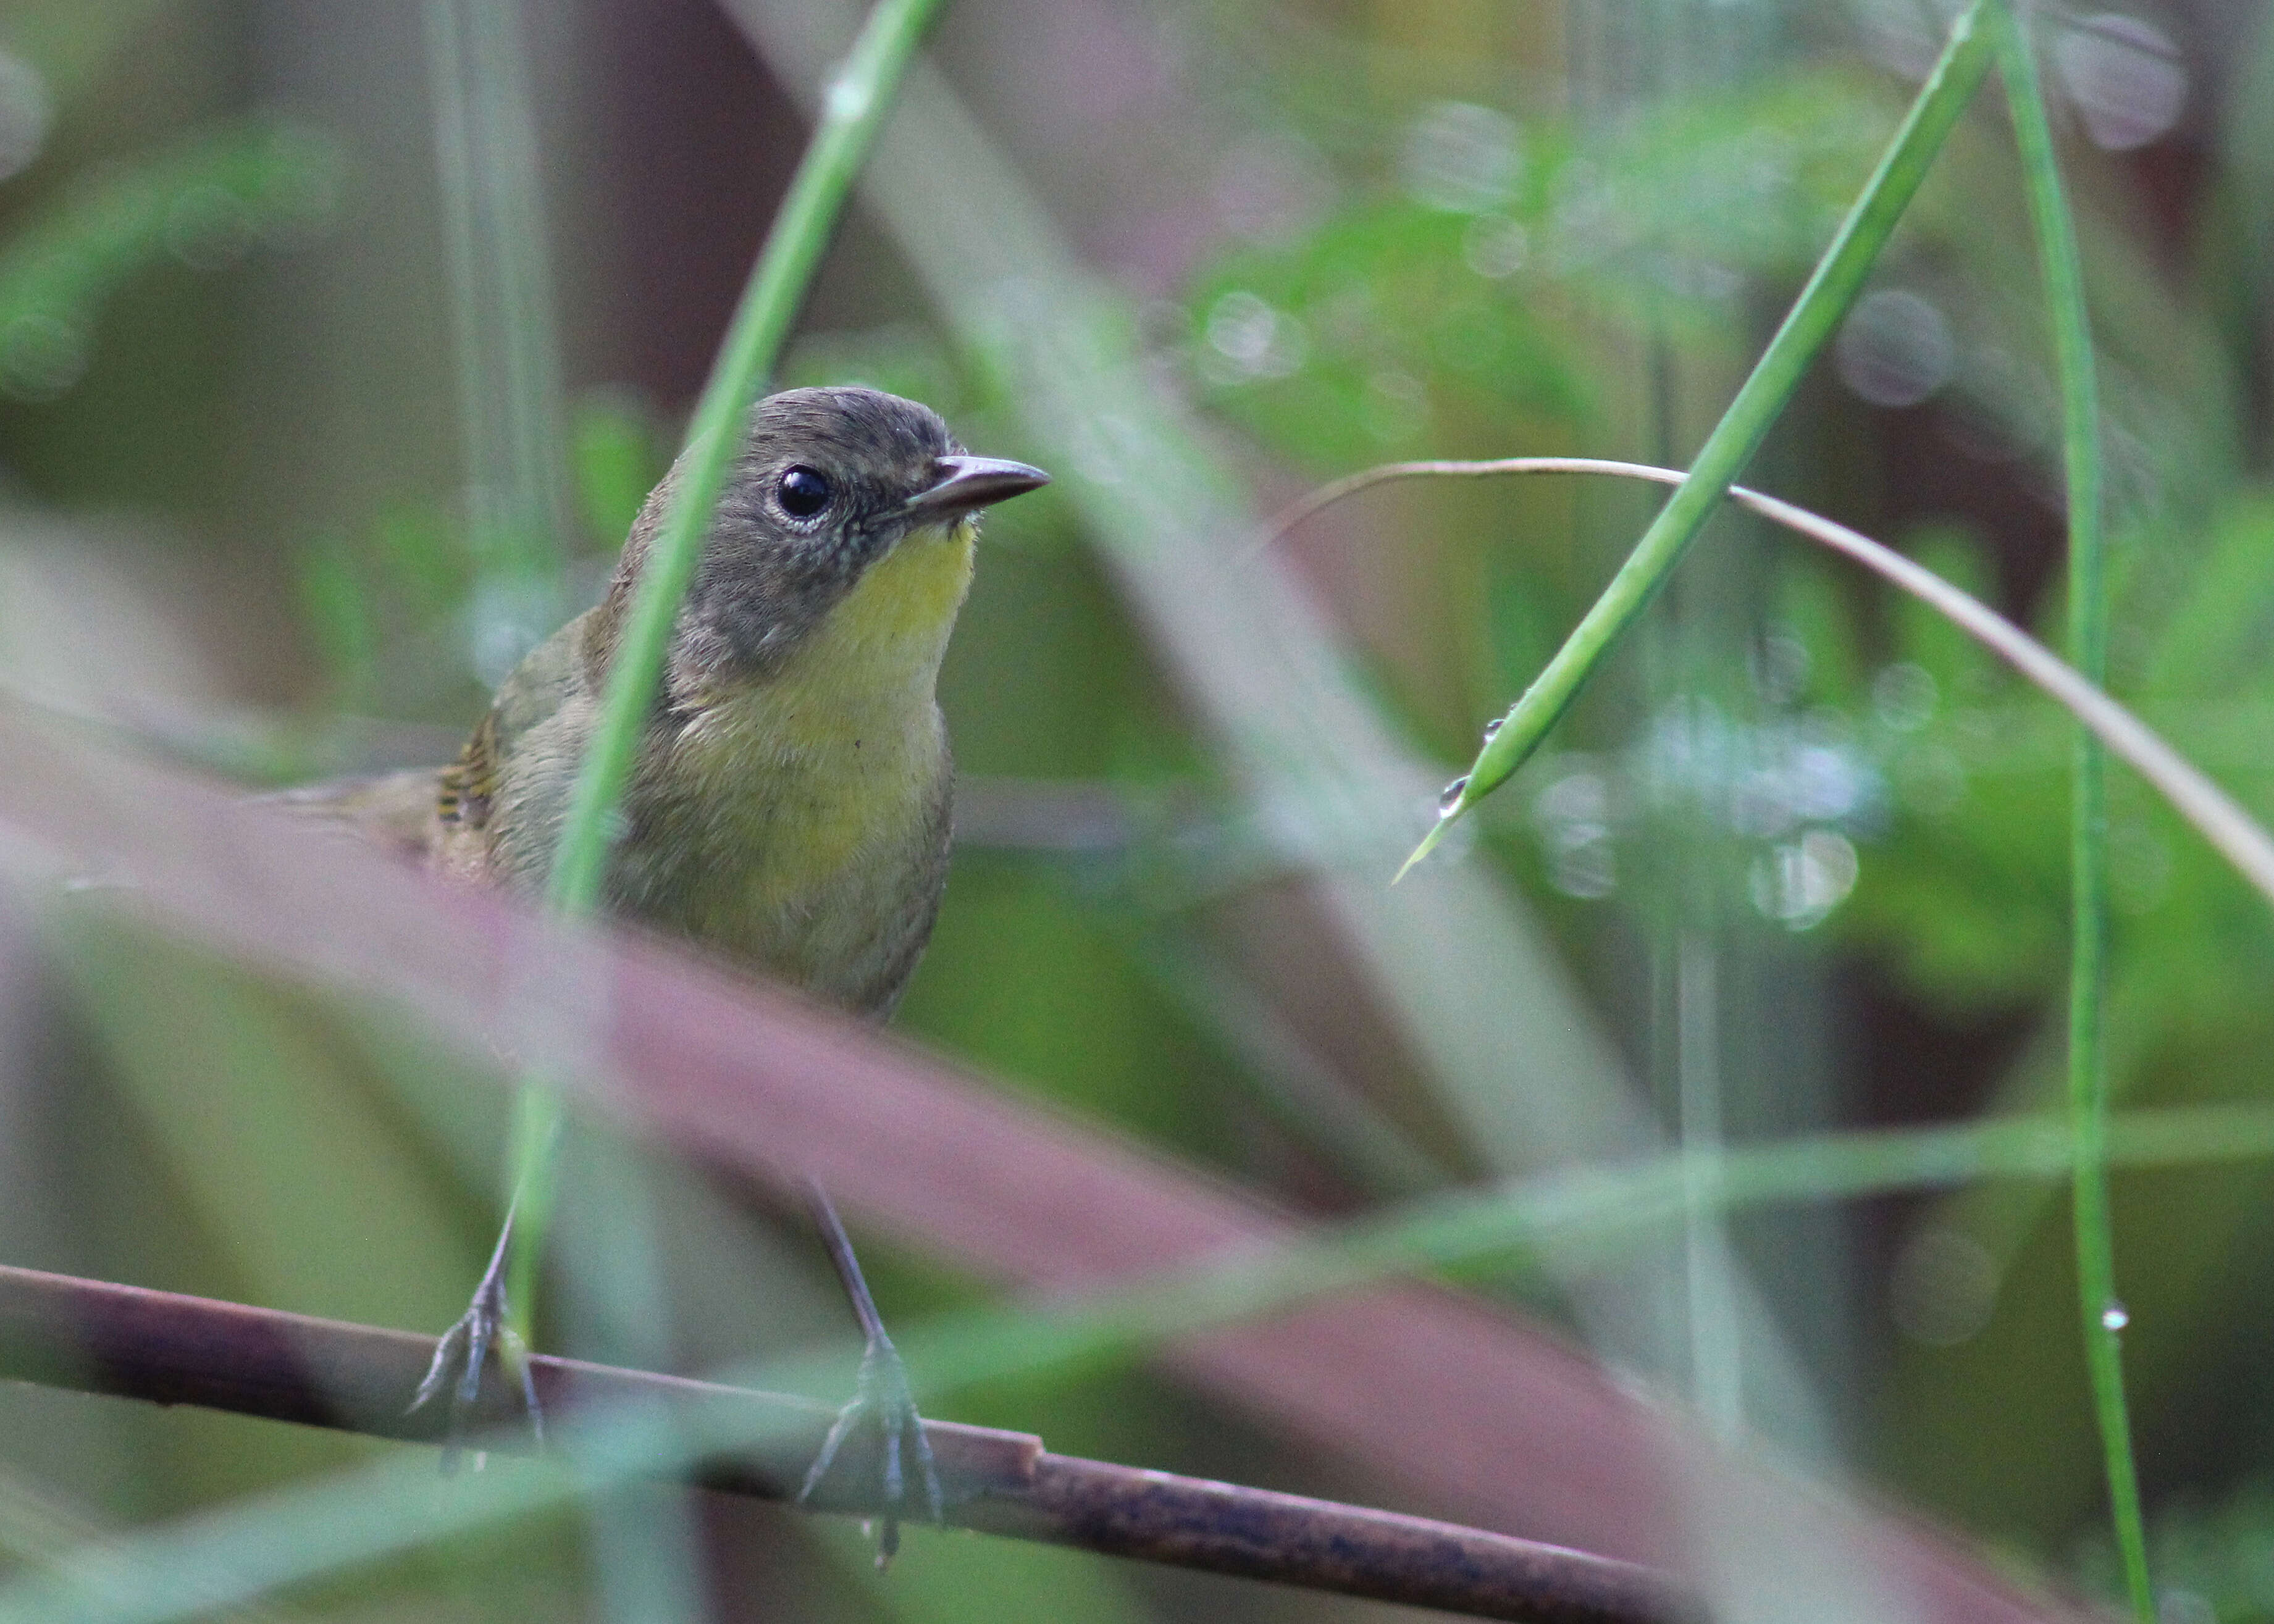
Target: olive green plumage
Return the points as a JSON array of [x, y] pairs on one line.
[[789, 809]]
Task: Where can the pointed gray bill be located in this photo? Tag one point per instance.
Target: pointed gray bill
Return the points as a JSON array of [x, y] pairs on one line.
[[973, 482]]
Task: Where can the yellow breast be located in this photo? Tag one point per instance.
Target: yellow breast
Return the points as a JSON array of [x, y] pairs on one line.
[[821, 783]]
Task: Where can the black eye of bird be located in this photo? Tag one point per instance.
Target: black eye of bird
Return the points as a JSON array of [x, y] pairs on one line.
[[804, 492]]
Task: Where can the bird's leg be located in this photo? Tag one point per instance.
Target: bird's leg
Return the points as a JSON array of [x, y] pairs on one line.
[[882, 1398], [465, 1348]]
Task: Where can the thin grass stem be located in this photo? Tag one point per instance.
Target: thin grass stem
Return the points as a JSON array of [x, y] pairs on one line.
[[2062, 270], [1831, 290], [503, 344]]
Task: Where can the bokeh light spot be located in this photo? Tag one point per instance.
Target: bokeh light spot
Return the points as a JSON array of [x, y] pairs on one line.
[[2123, 76]]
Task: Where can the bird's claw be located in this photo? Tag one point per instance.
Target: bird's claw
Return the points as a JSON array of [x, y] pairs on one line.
[[884, 1403], [465, 1351]]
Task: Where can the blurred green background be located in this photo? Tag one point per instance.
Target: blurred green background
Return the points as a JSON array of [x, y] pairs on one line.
[[339, 343]]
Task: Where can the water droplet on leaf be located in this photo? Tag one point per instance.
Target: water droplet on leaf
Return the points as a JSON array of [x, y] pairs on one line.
[[2115, 1317], [1451, 796]]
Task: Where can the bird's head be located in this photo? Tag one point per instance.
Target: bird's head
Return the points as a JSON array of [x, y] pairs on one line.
[[830, 486]]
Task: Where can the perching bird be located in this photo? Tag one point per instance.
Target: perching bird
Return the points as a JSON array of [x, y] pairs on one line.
[[789, 810]]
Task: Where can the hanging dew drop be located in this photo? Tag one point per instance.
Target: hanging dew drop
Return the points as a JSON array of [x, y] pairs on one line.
[[1492, 727], [1452, 794], [2115, 1317]]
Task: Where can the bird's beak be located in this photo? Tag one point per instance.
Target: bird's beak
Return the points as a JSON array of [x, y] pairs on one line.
[[972, 482]]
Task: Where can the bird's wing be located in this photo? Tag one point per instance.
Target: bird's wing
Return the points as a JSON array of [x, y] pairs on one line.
[[410, 813], [540, 685], [394, 810]]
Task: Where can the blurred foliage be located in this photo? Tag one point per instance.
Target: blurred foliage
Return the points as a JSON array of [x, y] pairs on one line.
[[1473, 287], [205, 205], [1867, 769], [1834, 761], [390, 612], [2213, 1558], [1445, 254]]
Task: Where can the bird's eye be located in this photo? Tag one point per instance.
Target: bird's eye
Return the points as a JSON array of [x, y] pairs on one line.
[[802, 492]]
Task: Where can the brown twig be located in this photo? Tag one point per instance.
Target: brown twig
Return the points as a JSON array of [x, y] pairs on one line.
[[173, 1350]]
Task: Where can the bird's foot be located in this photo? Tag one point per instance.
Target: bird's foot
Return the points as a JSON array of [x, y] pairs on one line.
[[483, 1336], [883, 1404]]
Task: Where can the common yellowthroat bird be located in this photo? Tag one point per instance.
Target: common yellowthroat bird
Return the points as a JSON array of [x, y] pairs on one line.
[[789, 809]]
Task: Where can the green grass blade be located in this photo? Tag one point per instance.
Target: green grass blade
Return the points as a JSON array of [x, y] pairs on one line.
[[1831, 288], [2087, 631], [229, 1556], [505, 350]]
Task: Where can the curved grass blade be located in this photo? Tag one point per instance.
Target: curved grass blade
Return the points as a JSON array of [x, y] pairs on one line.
[[1832, 288], [2232, 831]]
